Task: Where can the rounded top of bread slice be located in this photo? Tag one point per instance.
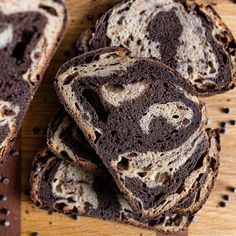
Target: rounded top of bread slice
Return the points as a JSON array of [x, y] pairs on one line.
[[194, 41], [110, 90]]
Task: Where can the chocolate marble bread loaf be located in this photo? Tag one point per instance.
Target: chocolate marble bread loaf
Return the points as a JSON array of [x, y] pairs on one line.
[[144, 122], [66, 140], [29, 34], [61, 186], [193, 40]]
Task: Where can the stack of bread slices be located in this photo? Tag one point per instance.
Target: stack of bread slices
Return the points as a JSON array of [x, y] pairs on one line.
[[130, 144]]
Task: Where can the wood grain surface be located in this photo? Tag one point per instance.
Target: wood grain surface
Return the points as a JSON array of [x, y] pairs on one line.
[[11, 191], [211, 220]]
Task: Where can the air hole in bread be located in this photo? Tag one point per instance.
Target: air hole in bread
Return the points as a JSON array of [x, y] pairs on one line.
[[213, 163], [89, 59], [200, 162], [225, 59], [94, 100], [49, 9], [139, 42], [70, 200], [190, 70], [7, 112], [123, 164], [180, 189], [54, 180], [142, 12], [75, 210], [32, 83], [96, 57], [199, 177], [20, 48], [175, 116], [98, 135], [124, 9], [158, 197], [114, 88], [69, 78], [175, 131], [212, 69], [65, 155], [120, 21], [199, 80], [113, 133], [112, 55], [198, 196], [166, 85], [58, 189], [38, 77], [142, 174], [127, 42], [77, 105], [162, 178]]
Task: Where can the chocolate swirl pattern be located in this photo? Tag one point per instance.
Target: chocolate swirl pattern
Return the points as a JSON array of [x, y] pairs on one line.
[[153, 161], [163, 29], [67, 174], [29, 34], [74, 147], [63, 187]]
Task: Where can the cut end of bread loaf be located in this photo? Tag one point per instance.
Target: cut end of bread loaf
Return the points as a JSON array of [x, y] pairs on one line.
[[30, 32], [162, 29]]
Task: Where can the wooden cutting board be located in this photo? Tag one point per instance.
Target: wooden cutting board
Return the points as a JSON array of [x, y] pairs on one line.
[[211, 220]]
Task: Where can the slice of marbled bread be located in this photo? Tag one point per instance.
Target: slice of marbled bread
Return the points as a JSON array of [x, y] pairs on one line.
[[71, 189], [30, 32], [144, 122], [59, 143], [193, 40], [67, 141]]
